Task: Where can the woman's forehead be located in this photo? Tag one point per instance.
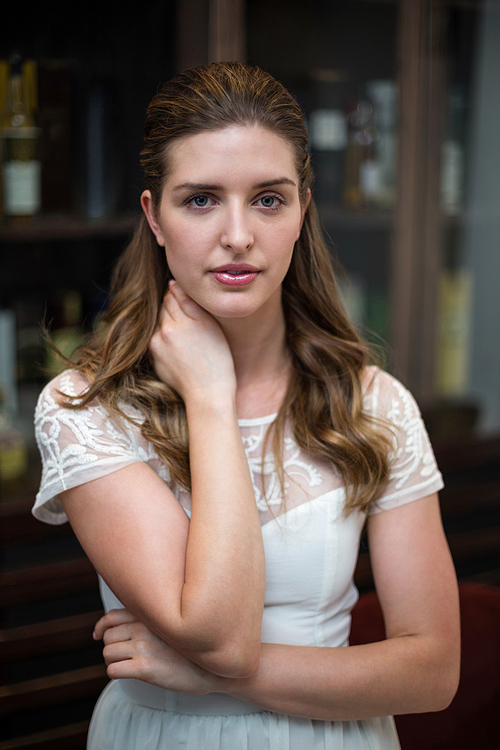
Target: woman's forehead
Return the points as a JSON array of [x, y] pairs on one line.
[[258, 152]]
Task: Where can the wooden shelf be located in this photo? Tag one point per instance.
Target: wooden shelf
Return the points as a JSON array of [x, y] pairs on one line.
[[364, 219], [48, 228]]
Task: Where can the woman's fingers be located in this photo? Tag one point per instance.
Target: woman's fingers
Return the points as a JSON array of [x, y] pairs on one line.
[[120, 633], [121, 651], [189, 350], [126, 669], [132, 651], [171, 307], [112, 619], [176, 304], [176, 300]]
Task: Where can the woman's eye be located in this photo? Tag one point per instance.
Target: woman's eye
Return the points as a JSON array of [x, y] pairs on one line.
[[270, 201], [200, 201]]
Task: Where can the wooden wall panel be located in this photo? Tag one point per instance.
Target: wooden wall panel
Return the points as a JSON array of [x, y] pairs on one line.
[[416, 249]]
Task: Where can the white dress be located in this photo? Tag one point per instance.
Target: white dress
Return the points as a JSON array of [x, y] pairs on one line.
[[311, 552]]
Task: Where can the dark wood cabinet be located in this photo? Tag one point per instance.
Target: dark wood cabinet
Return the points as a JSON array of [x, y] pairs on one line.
[[412, 252]]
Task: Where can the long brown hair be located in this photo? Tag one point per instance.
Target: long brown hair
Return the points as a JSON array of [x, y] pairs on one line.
[[324, 397]]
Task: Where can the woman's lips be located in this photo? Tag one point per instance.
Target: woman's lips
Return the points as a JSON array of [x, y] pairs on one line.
[[235, 275]]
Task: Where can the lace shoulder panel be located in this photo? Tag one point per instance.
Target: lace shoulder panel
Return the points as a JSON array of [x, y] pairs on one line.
[[414, 472], [77, 446]]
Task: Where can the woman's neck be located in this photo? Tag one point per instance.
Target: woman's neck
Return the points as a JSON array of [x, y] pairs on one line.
[[261, 361]]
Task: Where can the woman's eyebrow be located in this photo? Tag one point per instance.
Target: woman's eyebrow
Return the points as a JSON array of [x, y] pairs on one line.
[[196, 186], [259, 186], [279, 181]]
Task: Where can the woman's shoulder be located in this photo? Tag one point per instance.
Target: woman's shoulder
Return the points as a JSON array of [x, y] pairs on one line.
[[413, 469], [78, 445], [384, 392], [88, 433], [60, 399], [68, 388], [66, 385]]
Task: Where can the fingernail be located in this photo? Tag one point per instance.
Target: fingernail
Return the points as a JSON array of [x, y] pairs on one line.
[[171, 283], [94, 635]]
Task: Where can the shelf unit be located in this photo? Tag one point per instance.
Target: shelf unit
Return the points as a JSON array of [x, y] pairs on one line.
[[59, 228], [403, 250], [403, 244]]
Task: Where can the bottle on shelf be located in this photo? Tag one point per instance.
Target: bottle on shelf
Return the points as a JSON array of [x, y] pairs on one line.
[[13, 449], [21, 166], [4, 80], [454, 332], [362, 170], [383, 96], [8, 363], [67, 332], [98, 165], [327, 127], [452, 159]]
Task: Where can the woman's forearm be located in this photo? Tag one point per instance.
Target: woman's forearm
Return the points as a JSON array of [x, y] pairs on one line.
[[220, 593], [225, 566], [408, 674], [199, 586]]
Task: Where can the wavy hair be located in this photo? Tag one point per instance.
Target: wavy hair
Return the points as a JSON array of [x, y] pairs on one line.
[[324, 399]]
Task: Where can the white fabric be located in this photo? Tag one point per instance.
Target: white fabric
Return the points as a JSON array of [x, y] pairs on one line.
[[311, 551]]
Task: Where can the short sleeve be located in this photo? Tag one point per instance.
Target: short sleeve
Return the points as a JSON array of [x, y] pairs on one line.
[[413, 470], [78, 445]]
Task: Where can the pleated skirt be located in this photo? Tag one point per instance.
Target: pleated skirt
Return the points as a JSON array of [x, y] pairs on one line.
[[121, 722]]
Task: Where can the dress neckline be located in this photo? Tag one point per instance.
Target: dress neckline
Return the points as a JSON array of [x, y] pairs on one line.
[[255, 421]]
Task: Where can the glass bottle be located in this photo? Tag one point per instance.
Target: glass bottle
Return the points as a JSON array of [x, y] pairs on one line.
[[13, 449], [362, 171], [21, 166]]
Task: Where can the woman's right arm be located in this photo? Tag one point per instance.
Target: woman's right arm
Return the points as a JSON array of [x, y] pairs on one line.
[[198, 584]]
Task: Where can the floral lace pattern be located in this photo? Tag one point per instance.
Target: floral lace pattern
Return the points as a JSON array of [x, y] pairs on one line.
[[416, 454], [263, 470], [80, 445], [412, 460]]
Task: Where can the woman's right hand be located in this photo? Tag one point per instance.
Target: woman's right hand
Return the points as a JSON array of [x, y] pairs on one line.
[[189, 349], [133, 651]]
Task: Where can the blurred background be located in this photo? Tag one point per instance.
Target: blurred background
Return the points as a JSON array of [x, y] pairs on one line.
[[402, 103]]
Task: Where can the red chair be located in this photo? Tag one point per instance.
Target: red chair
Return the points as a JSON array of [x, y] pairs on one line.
[[473, 718]]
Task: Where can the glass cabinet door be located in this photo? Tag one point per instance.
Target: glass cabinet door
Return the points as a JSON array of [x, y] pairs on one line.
[[338, 58], [467, 371], [402, 101]]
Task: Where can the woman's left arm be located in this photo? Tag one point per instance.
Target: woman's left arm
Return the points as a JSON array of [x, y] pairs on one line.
[[415, 669]]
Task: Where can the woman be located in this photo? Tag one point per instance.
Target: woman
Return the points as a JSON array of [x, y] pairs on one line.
[[220, 443]]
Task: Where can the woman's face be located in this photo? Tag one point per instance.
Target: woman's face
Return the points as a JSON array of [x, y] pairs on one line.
[[229, 217]]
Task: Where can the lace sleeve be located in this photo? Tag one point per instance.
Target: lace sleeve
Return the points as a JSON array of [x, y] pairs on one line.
[[77, 446], [414, 472]]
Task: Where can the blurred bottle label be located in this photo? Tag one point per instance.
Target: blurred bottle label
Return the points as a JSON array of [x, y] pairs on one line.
[[13, 456], [19, 143], [452, 178], [328, 129], [454, 332], [370, 179], [22, 194]]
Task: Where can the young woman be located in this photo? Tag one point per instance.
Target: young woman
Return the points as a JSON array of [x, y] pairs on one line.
[[218, 446]]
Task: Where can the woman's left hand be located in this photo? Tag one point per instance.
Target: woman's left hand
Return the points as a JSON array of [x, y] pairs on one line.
[[132, 651]]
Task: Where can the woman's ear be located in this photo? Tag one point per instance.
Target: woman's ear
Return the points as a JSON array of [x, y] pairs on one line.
[[150, 213]]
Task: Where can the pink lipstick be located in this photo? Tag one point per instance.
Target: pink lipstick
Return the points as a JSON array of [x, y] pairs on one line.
[[235, 274]]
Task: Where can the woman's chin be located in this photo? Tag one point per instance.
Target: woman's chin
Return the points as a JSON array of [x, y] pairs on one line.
[[231, 312], [244, 303]]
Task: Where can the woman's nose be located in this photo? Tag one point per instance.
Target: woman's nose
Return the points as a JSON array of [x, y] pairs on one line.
[[237, 233]]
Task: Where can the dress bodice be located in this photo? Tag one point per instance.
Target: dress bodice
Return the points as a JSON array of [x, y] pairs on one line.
[[311, 546]]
